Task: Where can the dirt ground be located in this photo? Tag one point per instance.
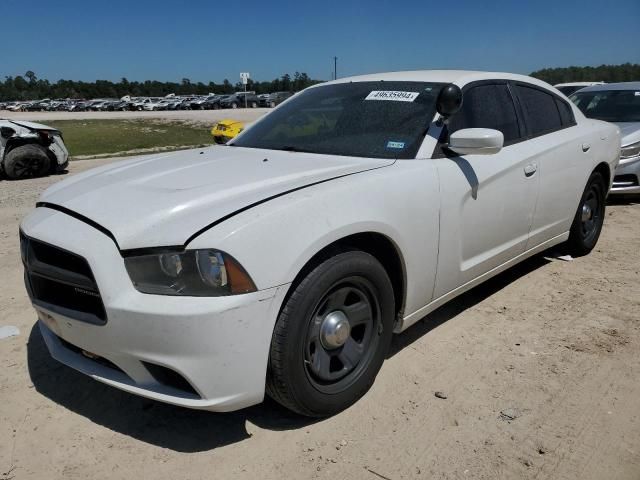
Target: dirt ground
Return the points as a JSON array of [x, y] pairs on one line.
[[540, 368]]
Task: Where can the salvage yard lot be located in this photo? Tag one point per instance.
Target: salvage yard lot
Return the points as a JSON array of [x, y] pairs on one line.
[[539, 367]]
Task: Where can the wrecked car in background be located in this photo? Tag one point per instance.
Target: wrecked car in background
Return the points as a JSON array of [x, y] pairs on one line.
[[226, 129], [30, 149]]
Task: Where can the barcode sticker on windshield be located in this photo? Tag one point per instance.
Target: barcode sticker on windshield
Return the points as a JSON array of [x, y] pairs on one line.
[[392, 144], [392, 95], [637, 94]]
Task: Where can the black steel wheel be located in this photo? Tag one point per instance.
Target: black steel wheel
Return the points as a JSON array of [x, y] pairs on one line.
[[589, 218], [342, 334], [332, 335]]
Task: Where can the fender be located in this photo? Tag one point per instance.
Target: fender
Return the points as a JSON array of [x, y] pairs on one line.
[[299, 225]]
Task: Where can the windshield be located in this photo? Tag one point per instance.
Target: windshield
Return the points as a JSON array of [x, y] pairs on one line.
[[359, 119], [609, 105]]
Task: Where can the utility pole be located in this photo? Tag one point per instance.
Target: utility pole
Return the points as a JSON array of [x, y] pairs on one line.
[[335, 68]]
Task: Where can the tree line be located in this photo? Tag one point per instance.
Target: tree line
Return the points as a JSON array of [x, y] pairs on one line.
[[30, 87], [627, 72]]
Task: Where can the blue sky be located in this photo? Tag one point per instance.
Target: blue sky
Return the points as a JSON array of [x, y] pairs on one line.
[[202, 40]]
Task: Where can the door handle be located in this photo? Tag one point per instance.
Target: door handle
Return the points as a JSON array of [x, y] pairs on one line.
[[530, 169], [585, 147]]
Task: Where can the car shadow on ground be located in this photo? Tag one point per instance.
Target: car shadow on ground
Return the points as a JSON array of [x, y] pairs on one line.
[[167, 426], [615, 200], [467, 300], [185, 430], [4, 177]]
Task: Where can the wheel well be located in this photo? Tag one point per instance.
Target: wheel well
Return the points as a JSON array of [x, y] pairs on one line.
[[375, 244], [19, 142], [603, 169]]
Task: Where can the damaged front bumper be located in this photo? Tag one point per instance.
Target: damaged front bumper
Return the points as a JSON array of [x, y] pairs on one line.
[[196, 352], [59, 150]]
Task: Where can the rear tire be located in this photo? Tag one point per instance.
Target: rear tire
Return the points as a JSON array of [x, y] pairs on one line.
[[318, 364], [587, 223], [27, 161]]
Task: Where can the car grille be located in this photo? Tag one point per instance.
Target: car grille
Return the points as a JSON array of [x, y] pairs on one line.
[[61, 281]]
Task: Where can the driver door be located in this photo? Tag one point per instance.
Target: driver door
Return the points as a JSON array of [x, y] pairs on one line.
[[487, 201]]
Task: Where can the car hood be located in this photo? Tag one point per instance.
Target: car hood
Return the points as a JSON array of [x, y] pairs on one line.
[[32, 125], [629, 132], [164, 200]]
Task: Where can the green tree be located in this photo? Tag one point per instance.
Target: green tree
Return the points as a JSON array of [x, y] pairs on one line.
[[626, 72], [31, 76], [30, 87]]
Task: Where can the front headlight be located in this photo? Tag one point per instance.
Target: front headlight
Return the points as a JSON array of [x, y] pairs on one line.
[[195, 273], [628, 151]]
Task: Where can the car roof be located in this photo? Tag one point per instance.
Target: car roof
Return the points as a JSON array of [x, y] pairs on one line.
[[577, 84], [459, 77], [613, 86]]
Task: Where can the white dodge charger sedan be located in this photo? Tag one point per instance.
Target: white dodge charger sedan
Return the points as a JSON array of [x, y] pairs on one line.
[[284, 261]]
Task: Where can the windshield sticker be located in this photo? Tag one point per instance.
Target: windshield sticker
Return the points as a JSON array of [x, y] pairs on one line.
[[637, 94], [396, 145], [394, 96]]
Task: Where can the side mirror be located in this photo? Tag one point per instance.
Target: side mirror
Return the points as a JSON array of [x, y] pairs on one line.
[[449, 100], [476, 141]]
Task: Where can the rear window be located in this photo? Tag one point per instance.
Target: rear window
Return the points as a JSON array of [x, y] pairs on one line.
[[541, 110], [566, 114]]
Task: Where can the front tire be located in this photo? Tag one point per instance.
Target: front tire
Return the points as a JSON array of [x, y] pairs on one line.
[[587, 223], [27, 161], [332, 335]]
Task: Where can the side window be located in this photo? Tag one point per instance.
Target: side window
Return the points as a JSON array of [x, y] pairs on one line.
[[541, 110], [488, 106], [566, 114]]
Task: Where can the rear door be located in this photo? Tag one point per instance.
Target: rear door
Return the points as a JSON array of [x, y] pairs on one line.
[[560, 150], [488, 201]]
